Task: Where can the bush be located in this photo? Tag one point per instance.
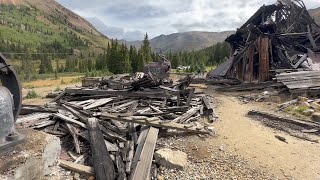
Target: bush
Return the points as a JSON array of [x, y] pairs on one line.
[[62, 82], [76, 80], [32, 95], [57, 89], [300, 109]]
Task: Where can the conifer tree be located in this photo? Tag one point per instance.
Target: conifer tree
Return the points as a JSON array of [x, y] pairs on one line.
[[146, 50]]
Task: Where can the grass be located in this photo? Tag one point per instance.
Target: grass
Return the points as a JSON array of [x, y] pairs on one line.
[[49, 82], [300, 109], [210, 68], [57, 89], [31, 95]]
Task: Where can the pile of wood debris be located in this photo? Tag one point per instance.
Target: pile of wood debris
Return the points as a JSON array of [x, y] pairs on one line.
[[113, 126], [280, 37]]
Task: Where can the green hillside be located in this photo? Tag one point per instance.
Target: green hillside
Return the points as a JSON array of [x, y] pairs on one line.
[[31, 34]]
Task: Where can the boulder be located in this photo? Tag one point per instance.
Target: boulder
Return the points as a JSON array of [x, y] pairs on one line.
[[171, 159], [316, 117]]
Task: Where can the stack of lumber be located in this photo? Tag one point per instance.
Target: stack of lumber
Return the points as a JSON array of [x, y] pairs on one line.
[[301, 82], [114, 132]]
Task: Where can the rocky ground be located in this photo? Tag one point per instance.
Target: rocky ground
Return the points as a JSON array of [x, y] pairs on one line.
[[208, 162]]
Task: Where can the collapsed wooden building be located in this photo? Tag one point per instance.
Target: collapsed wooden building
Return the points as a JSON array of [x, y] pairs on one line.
[[281, 37]]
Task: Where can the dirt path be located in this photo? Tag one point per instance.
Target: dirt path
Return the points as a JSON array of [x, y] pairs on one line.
[[256, 143]]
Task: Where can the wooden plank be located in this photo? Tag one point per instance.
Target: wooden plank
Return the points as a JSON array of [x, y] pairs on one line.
[[69, 120], [186, 115], [144, 94], [169, 89], [190, 96], [111, 147], [102, 162], [81, 169], [129, 158], [142, 170], [263, 58], [137, 153], [98, 103], [155, 122], [301, 60], [73, 132], [33, 117], [58, 97]]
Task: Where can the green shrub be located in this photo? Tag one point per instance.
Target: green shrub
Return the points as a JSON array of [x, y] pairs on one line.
[[57, 89], [62, 82], [32, 95], [76, 80], [300, 109]]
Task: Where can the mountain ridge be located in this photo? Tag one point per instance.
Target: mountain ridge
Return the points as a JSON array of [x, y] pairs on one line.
[[52, 16]]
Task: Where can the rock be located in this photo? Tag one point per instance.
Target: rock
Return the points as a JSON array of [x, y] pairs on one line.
[[32, 169], [171, 159], [221, 148], [52, 151], [308, 112], [316, 117]]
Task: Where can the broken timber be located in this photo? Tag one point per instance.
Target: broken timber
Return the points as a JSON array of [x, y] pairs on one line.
[[103, 165], [86, 170], [142, 170], [155, 122]]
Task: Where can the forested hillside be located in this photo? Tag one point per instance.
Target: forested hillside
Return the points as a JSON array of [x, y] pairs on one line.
[[210, 56], [39, 41]]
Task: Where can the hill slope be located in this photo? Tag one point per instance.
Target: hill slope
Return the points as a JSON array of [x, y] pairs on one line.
[[315, 13], [187, 41], [36, 25]]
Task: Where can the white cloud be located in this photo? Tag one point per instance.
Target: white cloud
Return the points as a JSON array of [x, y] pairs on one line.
[[169, 16]]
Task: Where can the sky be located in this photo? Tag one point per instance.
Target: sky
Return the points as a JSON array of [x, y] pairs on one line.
[[131, 19]]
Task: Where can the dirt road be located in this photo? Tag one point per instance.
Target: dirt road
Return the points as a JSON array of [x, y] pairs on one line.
[[257, 144]]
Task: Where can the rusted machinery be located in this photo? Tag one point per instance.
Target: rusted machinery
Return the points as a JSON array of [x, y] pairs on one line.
[[158, 69], [10, 105]]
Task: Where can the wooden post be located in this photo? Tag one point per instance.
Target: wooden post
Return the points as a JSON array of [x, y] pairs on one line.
[[264, 58], [102, 162], [250, 55]]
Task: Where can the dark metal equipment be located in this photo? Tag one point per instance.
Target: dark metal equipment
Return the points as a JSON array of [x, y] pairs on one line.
[[10, 105]]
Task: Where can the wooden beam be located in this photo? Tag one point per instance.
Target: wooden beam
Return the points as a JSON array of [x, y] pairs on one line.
[[137, 153], [263, 59], [102, 162], [74, 135], [155, 122], [190, 96], [98, 103], [142, 170], [69, 120], [86, 170]]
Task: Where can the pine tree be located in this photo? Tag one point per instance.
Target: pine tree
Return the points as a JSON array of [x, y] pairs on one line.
[[125, 65], [140, 61], [146, 50], [133, 56]]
